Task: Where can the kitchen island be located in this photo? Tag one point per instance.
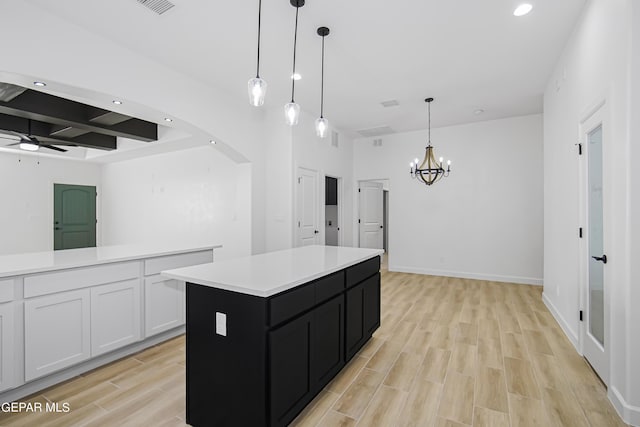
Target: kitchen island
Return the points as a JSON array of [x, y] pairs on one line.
[[66, 312], [266, 333]]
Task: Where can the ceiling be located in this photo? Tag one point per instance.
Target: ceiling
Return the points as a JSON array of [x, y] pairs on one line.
[[470, 55]]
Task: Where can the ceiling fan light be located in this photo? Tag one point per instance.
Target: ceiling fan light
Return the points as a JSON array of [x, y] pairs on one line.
[[292, 113], [322, 125], [257, 91], [29, 146]]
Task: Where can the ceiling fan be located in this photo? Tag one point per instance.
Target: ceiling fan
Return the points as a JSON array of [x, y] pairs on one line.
[[29, 142]]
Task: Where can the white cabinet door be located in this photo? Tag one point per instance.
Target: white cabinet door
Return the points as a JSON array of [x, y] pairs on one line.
[[115, 316], [164, 304], [56, 332], [6, 346]]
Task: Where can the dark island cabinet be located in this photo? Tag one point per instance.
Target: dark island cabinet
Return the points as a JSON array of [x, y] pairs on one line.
[[279, 351]]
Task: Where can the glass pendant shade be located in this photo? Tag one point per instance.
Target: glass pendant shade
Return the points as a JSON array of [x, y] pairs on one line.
[[257, 91], [292, 113], [322, 125], [29, 146]]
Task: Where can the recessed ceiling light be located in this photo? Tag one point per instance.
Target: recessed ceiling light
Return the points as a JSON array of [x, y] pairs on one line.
[[39, 84], [478, 111], [523, 9], [167, 119], [213, 142], [117, 102], [296, 76]]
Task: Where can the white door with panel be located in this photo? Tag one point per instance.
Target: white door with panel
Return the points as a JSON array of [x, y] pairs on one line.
[[371, 217], [6, 345], [115, 316], [307, 207], [56, 332], [594, 330], [164, 304]]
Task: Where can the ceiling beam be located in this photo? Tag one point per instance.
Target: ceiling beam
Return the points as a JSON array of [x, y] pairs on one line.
[[52, 109]]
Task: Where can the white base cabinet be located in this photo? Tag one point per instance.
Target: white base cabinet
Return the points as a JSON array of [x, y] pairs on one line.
[[6, 346], [56, 332], [115, 316], [164, 304]]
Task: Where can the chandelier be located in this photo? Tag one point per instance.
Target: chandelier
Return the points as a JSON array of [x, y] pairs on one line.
[[429, 171]]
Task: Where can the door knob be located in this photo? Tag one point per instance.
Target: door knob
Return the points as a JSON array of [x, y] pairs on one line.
[[315, 231], [58, 228], [602, 258], [380, 226]]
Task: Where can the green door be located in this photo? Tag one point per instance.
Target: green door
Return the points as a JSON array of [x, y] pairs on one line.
[[74, 216]]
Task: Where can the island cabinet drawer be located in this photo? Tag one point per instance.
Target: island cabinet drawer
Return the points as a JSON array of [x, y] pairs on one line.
[[158, 264], [291, 303], [364, 270], [6, 290]]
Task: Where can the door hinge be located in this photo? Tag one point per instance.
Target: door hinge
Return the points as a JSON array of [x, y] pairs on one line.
[[358, 221], [581, 315], [299, 180], [580, 232], [579, 149], [298, 224], [359, 190]]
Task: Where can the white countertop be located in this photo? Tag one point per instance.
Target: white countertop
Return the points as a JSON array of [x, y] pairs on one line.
[[35, 262], [268, 274]]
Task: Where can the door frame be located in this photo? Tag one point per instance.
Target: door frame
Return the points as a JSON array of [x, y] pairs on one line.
[[340, 209], [598, 114], [50, 207]]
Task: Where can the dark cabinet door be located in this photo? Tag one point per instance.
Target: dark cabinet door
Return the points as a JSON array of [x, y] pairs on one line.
[[354, 328], [290, 364], [371, 305], [327, 345]]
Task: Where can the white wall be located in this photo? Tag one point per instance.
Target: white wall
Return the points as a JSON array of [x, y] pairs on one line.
[[483, 221], [26, 189], [594, 68], [195, 195], [318, 154]]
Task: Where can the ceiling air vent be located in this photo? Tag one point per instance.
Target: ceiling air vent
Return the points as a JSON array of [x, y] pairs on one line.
[[158, 6], [379, 131], [377, 142], [391, 103]]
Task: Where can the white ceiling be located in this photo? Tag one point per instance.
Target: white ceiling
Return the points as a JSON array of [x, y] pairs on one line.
[[468, 54]]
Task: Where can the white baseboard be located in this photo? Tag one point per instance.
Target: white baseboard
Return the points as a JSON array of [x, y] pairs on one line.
[[464, 275], [564, 325], [630, 414]]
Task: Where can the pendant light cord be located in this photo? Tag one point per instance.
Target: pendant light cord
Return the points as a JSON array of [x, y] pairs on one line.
[[429, 105], [295, 43], [259, 22], [322, 83]]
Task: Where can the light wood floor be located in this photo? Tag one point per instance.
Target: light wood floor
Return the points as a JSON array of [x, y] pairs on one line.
[[449, 352]]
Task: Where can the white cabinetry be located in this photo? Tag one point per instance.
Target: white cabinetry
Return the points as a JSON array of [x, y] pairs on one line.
[[115, 316], [6, 345], [164, 304], [56, 332]]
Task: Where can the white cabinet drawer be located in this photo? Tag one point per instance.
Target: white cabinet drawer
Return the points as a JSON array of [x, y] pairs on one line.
[[56, 332], [6, 290], [164, 304], [115, 316], [156, 265], [6, 346], [66, 280]]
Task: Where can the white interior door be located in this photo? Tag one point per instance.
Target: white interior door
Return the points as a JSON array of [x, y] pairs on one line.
[[307, 207], [594, 334], [371, 215]]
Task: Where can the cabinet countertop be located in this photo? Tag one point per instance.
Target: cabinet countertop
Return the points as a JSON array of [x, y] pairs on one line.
[[270, 273], [36, 262]]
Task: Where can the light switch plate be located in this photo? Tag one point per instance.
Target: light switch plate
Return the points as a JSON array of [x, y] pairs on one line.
[[221, 324]]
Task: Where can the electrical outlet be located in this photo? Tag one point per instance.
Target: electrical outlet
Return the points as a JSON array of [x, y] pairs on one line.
[[221, 324]]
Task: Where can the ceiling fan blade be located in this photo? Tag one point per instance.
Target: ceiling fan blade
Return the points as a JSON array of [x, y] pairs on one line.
[[15, 143], [51, 147], [19, 135]]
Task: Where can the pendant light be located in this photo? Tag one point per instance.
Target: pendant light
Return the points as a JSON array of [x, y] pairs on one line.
[[292, 110], [429, 171], [257, 87], [322, 124]]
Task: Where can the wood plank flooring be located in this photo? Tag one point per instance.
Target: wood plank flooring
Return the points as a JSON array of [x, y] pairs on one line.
[[449, 352]]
